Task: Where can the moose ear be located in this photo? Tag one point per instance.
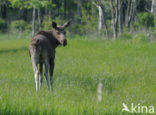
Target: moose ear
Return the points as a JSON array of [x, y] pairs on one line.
[[54, 25], [67, 24]]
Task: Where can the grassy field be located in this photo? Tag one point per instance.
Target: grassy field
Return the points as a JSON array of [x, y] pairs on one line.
[[126, 69]]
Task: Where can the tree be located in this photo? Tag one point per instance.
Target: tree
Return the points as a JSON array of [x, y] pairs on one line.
[[65, 5], [102, 16], [131, 11], [3, 8], [153, 10], [120, 17], [79, 4], [115, 13], [31, 4]]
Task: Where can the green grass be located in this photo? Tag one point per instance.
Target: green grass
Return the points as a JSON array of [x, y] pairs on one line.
[[127, 71]]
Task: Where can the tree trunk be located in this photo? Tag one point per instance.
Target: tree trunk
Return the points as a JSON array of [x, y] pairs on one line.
[[4, 11], [115, 14], [153, 10], [58, 8], [46, 13], [33, 21], [104, 22], [65, 8], [79, 10], [120, 17], [131, 11], [100, 16], [68, 9], [39, 19], [22, 14], [128, 13], [49, 11], [49, 14], [152, 6], [79, 7]]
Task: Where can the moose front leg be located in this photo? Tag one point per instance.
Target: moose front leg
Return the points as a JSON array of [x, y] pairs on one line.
[[51, 72], [40, 73]]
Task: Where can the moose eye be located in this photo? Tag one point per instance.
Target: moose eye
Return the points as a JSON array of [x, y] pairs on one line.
[[58, 32]]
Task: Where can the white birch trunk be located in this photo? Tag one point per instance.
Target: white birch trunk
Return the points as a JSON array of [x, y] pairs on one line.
[[152, 6], [154, 10], [100, 16]]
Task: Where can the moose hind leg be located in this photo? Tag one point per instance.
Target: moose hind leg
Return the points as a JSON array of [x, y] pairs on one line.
[[35, 69], [46, 72], [51, 73]]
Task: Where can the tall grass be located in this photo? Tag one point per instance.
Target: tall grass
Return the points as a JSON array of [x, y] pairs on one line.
[[126, 69]]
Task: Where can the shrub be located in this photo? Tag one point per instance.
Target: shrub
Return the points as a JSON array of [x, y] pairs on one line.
[[3, 25], [146, 19], [28, 28], [140, 38], [88, 26], [152, 34], [18, 25], [126, 35]]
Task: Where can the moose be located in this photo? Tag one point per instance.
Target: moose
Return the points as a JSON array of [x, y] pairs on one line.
[[42, 52]]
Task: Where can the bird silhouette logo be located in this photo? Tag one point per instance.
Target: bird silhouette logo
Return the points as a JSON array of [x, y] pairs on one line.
[[125, 108]]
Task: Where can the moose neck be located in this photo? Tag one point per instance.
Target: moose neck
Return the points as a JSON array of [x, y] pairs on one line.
[[53, 40], [50, 36]]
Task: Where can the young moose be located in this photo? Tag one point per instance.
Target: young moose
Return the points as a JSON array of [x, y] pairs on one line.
[[42, 52]]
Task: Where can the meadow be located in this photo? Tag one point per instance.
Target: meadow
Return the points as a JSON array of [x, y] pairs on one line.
[[126, 68]]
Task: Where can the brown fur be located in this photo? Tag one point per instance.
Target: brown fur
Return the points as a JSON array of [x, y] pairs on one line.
[[42, 51]]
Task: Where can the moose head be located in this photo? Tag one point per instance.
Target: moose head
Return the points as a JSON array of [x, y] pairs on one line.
[[59, 32]]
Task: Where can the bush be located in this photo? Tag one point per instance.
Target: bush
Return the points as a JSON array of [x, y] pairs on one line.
[[87, 26], [140, 38], [125, 35], [3, 25], [152, 34], [28, 28], [18, 25], [146, 19]]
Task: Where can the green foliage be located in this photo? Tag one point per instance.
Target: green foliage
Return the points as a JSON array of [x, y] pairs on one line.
[[152, 34], [30, 3], [3, 25], [125, 35], [146, 19], [109, 26], [89, 25], [18, 25], [59, 21], [47, 23], [137, 26], [134, 38], [28, 27], [140, 38]]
